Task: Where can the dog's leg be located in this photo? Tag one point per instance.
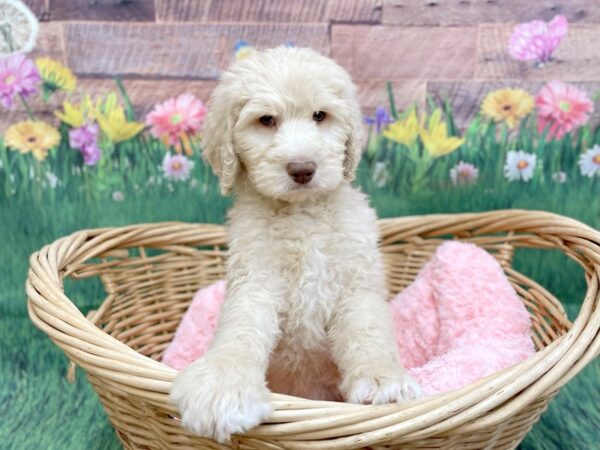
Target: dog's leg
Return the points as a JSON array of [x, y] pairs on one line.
[[364, 348], [224, 392]]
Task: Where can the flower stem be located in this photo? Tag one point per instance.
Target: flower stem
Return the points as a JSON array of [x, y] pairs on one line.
[[38, 180], [86, 184], [27, 107], [391, 99], [7, 170], [130, 114], [424, 169]]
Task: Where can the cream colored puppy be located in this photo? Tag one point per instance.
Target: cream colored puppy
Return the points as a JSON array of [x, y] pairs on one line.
[[305, 310]]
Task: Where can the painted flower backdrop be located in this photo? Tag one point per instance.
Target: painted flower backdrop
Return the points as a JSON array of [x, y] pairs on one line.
[[516, 137], [94, 159], [537, 40], [539, 138], [98, 147]]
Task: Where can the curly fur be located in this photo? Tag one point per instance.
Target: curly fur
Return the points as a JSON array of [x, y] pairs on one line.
[[305, 310]]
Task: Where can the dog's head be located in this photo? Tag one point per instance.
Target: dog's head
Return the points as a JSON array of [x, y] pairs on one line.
[[285, 120]]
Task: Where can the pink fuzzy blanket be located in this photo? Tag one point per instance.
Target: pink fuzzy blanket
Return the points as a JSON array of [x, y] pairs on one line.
[[460, 320]]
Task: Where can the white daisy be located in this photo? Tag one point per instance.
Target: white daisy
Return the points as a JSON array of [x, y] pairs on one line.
[[52, 180], [118, 196], [380, 174], [464, 173], [589, 162], [519, 165], [560, 177], [177, 167]]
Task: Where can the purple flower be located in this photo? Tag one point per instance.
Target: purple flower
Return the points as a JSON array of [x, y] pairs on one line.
[[381, 118], [85, 139], [239, 44], [91, 155], [18, 76], [83, 136]]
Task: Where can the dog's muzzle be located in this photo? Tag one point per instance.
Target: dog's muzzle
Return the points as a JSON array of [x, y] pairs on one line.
[[301, 173]]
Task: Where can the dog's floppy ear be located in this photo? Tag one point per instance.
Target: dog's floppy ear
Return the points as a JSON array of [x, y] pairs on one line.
[[355, 138], [218, 138]]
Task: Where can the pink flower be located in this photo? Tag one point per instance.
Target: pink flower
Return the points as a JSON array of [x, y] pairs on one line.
[[91, 154], [464, 173], [176, 119], [83, 136], [537, 40], [563, 108], [85, 139], [177, 167], [18, 76]]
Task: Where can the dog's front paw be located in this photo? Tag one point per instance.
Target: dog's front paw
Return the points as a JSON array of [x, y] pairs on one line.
[[378, 390], [216, 401]]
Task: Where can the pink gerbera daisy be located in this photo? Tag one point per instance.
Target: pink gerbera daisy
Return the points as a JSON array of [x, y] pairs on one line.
[[563, 108], [18, 76], [177, 119]]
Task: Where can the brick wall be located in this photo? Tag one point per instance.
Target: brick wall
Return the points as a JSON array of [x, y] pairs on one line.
[[444, 48]]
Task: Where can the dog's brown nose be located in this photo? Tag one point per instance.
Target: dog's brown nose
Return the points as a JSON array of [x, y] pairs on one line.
[[302, 172]]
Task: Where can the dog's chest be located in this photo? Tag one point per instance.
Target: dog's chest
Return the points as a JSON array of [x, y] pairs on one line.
[[305, 251]]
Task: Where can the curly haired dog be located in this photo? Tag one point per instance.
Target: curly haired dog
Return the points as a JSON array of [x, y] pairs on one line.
[[305, 310]]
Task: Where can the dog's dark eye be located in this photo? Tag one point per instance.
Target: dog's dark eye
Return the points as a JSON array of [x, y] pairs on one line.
[[267, 121], [319, 116]]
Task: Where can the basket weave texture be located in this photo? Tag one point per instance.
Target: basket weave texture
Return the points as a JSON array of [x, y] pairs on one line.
[[150, 273]]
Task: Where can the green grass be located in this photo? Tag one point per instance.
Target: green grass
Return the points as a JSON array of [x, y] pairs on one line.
[[42, 411]]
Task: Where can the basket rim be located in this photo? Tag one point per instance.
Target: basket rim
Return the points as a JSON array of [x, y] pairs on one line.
[[300, 423]]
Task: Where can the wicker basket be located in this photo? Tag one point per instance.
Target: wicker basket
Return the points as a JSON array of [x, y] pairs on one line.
[[150, 273]]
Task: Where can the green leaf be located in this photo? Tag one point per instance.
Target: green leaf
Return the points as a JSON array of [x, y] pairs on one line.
[[390, 93], [129, 112], [452, 128], [431, 103]]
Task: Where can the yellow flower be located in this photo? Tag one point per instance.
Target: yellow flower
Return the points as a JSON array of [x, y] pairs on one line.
[[507, 105], [184, 142], [109, 104], [435, 137], [244, 52], [32, 136], [56, 76], [76, 115], [73, 115], [110, 117], [404, 131], [114, 124]]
